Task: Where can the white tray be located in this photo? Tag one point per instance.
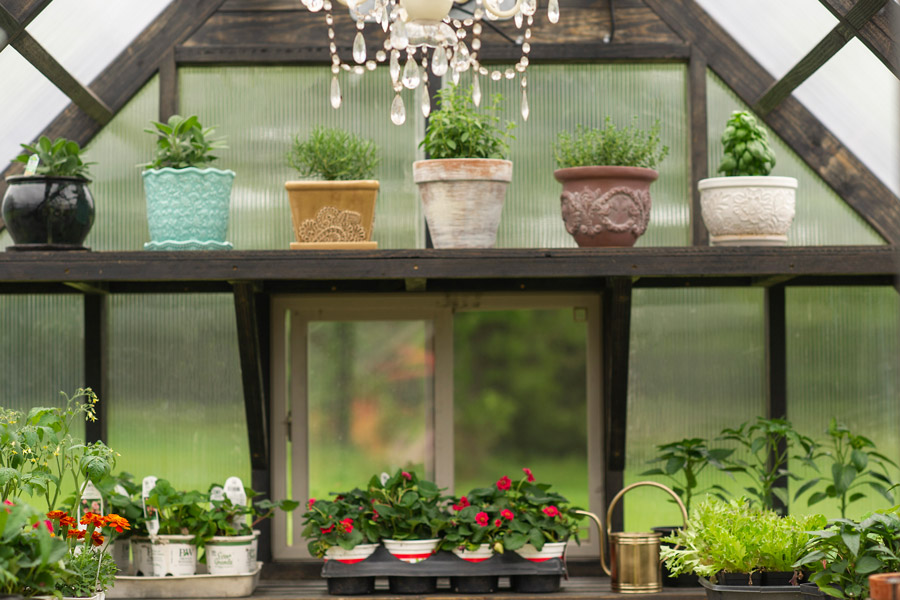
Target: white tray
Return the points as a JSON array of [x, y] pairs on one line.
[[192, 586]]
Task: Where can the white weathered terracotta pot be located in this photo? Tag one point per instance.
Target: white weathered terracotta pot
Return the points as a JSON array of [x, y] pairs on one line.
[[463, 199], [748, 211], [550, 550], [352, 556], [411, 551], [480, 554], [230, 555]]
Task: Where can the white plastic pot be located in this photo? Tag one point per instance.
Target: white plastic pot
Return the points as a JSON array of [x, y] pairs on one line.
[[748, 211], [120, 550], [480, 554], [356, 554], [170, 555], [230, 555], [411, 551], [550, 550]]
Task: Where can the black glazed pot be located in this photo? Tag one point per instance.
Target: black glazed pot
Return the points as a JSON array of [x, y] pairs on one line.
[[48, 213], [486, 584], [350, 586], [412, 585]]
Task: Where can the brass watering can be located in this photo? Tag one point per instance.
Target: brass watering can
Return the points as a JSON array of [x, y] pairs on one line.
[[634, 566]]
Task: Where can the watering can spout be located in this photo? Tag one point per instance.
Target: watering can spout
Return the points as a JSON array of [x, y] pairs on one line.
[[634, 566]]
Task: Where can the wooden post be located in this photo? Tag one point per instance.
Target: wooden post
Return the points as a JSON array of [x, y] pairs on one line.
[[95, 344], [776, 369], [699, 142]]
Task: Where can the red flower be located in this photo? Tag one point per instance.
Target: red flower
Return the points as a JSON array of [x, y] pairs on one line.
[[407, 475], [94, 519], [47, 523], [463, 502], [347, 525], [8, 503], [76, 533], [116, 522], [328, 529], [498, 523], [504, 484], [507, 514], [96, 538], [551, 511], [309, 504], [56, 515], [527, 472], [67, 522], [339, 497], [482, 519]]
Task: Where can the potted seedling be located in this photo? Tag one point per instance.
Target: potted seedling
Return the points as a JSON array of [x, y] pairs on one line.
[[606, 175], [49, 207], [475, 533], [173, 520], [334, 207], [463, 183], [747, 206], [187, 200]]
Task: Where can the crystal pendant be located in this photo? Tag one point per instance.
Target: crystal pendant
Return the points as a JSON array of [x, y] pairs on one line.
[[395, 66], [525, 110], [553, 11], [461, 58], [315, 5], [398, 111], [426, 101], [476, 91], [519, 19], [411, 75], [399, 39], [439, 63], [335, 93], [359, 48], [529, 7]]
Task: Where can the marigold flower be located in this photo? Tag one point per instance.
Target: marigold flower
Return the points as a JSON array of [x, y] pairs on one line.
[[482, 519], [407, 475], [68, 522], [504, 484], [97, 538], [507, 514], [527, 472], [117, 522], [551, 511], [94, 519], [328, 529], [76, 533], [56, 515]]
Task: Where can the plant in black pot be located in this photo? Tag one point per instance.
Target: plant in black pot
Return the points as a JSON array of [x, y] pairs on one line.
[[49, 207]]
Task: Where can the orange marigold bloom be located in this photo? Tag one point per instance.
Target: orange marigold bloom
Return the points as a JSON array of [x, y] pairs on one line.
[[117, 522], [56, 515], [76, 533], [68, 522], [94, 519], [97, 538]]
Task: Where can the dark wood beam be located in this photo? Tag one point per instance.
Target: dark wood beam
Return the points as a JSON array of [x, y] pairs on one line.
[[95, 346], [168, 86], [791, 121], [252, 374], [19, 15], [699, 142], [878, 34], [776, 369], [836, 39]]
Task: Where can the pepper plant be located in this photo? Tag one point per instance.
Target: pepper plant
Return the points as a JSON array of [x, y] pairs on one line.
[[683, 461]]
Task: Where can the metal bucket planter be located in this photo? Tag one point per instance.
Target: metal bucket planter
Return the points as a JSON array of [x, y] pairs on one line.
[[187, 209], [48, 213]]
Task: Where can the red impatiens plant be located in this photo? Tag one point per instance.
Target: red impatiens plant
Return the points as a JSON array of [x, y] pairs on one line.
[[94, 568], [407, 508], [475, 520], [533, 514], [346, 521]]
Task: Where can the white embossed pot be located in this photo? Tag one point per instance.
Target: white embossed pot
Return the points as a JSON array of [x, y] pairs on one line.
[[748, 210], [187, 209], [463, 199], [606, 206], [332, 211]]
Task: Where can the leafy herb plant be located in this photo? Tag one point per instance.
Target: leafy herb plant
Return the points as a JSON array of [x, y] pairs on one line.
[[59, 158], [333, 155], [747, 150], [628, 146], [182, 143], [683, 461], [459, 130]]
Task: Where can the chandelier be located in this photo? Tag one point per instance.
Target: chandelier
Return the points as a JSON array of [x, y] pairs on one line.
[[425, 37]]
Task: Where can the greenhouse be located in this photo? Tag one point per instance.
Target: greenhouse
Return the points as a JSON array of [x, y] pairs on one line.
[[286, 282]]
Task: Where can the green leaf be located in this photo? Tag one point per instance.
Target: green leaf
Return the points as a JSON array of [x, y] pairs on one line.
[[806, 486], [868, 564], [852, 541]]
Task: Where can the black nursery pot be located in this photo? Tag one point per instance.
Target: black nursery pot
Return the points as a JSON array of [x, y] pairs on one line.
[[669, 580], [535, 584], [350, 586], [487, 584], [412, 585], [779, 578], [48, 213], [723, 578]]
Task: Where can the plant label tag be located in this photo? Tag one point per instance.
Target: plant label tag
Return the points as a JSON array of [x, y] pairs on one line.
[[384, 478], [150, 513], [32, 165], [91, 501], [216, 493], [234, 490]]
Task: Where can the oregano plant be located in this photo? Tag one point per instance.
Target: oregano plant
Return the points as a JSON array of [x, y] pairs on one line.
[[610, 146], [459, 130]]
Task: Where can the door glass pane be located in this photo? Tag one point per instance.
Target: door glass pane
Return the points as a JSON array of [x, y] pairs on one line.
[[370, 392], [520, 399]]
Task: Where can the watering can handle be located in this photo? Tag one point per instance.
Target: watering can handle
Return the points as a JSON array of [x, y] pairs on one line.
[[612, 506]]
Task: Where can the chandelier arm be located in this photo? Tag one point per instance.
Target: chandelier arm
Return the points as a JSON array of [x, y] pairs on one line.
[[502, 14], [490, 24]]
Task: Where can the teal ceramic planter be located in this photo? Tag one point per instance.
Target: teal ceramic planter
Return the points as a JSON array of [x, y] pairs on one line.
[[187, 209]]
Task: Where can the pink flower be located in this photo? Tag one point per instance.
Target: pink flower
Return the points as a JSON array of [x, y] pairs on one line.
[[507, 514], [347, 525], [498, 523], [527, 472], [504, 484], [463, 502], [482, 519], [407, 475], [309, 504], [328, 529], [551, 511], [8, 503], [47, 523]]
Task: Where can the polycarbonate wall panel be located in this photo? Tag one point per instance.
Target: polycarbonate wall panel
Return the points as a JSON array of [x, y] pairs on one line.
[[176, 400], [531, 215], [843, 360], [696, 365], [261, 109], [822, 218]]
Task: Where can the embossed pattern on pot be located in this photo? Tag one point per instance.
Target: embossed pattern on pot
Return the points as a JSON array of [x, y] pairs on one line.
[[748, 210]]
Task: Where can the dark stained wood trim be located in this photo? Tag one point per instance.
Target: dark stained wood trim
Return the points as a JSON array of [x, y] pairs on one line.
[[252, 374], [14, 19], [836, 39], [791, 121], [697, 103], [776, 367], [879, 34], [168, 86], [95, 345]]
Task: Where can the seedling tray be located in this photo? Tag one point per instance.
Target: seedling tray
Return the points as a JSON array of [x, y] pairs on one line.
[[190, 586], [750, 592]]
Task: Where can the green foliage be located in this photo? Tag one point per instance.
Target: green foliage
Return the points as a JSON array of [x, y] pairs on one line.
[[182, 143], [333, 155], [128, 504], [843, 556], [458, 130], [736, 537], [765, 439], [610, 146], [180, 513], [854, 464], [347, 521], [747, 150], [476, 519], [406, 507], [59, 158], [30, 557], [683, 461]]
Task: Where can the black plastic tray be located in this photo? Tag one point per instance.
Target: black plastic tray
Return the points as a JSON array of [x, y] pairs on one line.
[[750, 592], [442, 564]]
